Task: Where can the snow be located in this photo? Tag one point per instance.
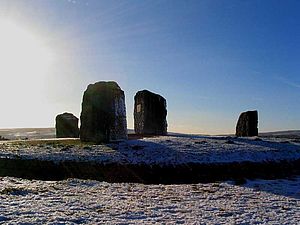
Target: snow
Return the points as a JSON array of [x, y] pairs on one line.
[[164, 150], [76, 201]]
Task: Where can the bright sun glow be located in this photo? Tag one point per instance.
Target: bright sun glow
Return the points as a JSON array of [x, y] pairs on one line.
[[22, 54], [25, 63]]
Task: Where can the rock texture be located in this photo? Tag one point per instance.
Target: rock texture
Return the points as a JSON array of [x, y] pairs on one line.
[[150, 112], [66, 126], [247, 124], [103, 115]]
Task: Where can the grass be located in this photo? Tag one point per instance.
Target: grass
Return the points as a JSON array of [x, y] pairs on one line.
[[51, 143], [60, 143]]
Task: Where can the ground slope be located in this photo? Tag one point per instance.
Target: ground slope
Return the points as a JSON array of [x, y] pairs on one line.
[[165, 159], [163, 150], [85, 201]]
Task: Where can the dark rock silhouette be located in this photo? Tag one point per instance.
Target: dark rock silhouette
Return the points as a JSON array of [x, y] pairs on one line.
[[103, 115], [66, 126], [150, 111], [247, 124]]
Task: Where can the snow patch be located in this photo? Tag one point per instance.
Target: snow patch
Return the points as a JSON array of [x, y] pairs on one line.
[[164, 150], [86, 201]]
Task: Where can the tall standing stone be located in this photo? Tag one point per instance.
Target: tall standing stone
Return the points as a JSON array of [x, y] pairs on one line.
[[247, 124], [103, 115], [150, 112], [66, 126]]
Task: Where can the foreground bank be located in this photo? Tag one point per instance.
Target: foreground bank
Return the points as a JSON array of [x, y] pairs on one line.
[[165, 159]]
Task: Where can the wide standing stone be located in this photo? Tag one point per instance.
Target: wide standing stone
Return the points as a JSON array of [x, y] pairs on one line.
[[150, 112], [103, 115], [247, 124], [66, 126]]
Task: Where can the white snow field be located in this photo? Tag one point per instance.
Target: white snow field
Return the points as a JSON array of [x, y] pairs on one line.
[[164, 150], [76, 201]]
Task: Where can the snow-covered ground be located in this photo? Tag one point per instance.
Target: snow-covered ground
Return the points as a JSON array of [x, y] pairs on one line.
[[76, 201], [163, 150], [85, 201]]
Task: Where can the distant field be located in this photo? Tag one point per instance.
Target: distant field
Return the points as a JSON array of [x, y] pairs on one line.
[[27, 133], [45, 133], [282, 134], [31, 133]]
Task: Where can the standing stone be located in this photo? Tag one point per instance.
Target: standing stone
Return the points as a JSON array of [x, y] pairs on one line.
[[247, 124], [103, 115], [66, 126], [150, 112]]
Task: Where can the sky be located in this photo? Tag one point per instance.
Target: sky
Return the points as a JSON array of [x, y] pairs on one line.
[[210, 59]]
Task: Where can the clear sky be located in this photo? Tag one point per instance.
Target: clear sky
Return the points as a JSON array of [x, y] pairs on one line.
[[211, 59]]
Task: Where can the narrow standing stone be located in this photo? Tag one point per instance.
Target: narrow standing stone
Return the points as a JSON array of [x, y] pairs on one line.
[[103, 115], [66, 126], [247, 124], [150, 112]]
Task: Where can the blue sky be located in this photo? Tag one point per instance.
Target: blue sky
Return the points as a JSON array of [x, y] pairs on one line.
[[210, 59]]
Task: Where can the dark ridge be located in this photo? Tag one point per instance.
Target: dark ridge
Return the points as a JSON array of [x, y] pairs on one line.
[[148, 174]]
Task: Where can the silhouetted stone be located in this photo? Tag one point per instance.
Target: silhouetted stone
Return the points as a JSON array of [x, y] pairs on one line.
[[247, 124], [150, 113], [66, 126], [103, 115]]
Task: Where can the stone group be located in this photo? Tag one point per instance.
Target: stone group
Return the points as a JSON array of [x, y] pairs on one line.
[[103, 116]]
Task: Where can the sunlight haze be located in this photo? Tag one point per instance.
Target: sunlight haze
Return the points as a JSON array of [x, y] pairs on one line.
[[210, 59]]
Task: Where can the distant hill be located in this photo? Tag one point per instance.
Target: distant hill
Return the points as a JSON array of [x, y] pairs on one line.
[[282, 134], [37, 133], [27, 133], [31, 133]]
